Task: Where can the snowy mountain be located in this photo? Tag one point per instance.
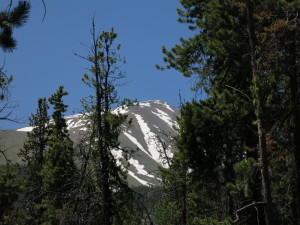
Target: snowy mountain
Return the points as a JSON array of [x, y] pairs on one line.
[[151, 131]]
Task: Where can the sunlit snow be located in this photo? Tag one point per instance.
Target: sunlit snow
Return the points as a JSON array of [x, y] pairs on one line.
[[121, 110], [149, 137], [165, 117], [138, 179], [142, 104], [25, 129], [118, 155], [139, 167], [135, 141]]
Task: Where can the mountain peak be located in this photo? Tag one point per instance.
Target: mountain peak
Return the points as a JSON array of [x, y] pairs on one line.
[[153, 122]]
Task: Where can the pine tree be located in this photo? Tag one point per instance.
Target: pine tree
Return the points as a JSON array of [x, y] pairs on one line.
[[173, 205], [219, 56], [59, 170], [115, 198], [10, 189], [291, 43], [10, 19], [33, 156]]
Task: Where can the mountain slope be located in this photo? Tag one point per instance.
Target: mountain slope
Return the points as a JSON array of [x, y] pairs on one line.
[[152, 124]]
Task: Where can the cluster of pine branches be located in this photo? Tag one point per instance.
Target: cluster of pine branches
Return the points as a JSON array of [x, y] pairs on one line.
[[238, 159]]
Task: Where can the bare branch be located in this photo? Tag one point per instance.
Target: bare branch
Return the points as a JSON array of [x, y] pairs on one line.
[[239, 91], [253, 204]]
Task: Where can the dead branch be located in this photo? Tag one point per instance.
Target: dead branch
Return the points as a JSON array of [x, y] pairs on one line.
[[253, 204]]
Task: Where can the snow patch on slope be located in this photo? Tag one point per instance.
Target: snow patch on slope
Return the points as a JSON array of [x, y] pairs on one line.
[[135, 141], [166, 105], [145, 183], [121, 110], [73, 124], [118, 155], [139, 167], [149, 137], [169, 107], [165, 117], [25, 129], [144, 104]]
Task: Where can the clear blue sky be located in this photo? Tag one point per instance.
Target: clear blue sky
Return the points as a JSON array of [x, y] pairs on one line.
[[44, 58]]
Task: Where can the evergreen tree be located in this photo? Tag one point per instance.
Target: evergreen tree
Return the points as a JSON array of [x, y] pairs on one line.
[[219, 55], [33, 155], [59, 170], [115, 198], [173, 205], [10, 19], [290, 67], [222, 68], [10, 189], [259, 103]]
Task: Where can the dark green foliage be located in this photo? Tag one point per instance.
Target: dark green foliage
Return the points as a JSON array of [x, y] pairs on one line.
[[33, 155], [174, 203], [218, 47], [5, 82], [115, 200], [210, 155], [242, 65], [35, 146], [9, 192], [149, 195], [6, 106], [49, 171], [59, 169], [10, 19]]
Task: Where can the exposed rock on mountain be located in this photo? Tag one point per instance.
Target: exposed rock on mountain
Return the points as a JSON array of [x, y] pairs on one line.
[[151, 130]]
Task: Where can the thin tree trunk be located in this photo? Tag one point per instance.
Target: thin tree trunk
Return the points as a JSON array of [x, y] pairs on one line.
[[296, 141], [295, 100], [260, 120], [256, 215], [106, 214], [184, 205]]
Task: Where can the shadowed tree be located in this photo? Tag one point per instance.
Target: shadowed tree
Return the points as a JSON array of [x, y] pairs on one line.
[[59, 170], [114, 203], [33, 155]]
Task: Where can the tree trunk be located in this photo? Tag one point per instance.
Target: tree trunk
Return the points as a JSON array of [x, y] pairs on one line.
[[258, 104], [295, 101], [184, 203], [257, 214], [106, 215]]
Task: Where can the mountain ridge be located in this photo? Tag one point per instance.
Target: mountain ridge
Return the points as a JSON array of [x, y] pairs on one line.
[[153, 122]]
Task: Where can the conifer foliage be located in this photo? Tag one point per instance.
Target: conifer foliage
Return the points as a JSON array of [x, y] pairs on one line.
[[59, 169], [115, 198], [49, 167], [33, 155], [10, 19], [241, 54]]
